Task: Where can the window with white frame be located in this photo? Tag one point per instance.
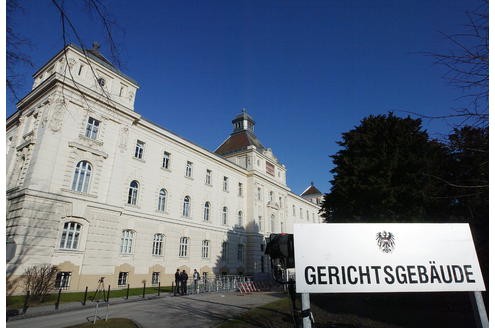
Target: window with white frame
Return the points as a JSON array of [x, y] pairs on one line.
[[260, 223], [272, 223], [282, 227], [240, 253], [186, 207], [239, 219], [162, 200], [293, 210], [70, 235], [82, 175], [166, 160], [183, 244], [259, 193], [225, 184], [225, 251], [307, 215], [300, 213], [133, 193], [92, 128], [224, 215], [62, 280], [206, 212], [205, 249], [155, 278], [271, 196], [126, 242], [138, 152], [240, 190], [189, 168], [122, 278], [157, 244], [208, 177]]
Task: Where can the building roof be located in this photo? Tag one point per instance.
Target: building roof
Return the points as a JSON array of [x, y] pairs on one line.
[[97, 56], [311, 190], [239, 141]]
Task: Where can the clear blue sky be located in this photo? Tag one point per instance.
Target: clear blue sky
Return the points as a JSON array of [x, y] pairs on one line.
[[306, 71]]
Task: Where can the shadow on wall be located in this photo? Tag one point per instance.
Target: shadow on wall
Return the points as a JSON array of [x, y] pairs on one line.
[[24, 235], [243, 253]]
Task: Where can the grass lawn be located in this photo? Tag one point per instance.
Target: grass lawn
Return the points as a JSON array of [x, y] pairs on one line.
[[111, 323], [16, 302], [423, 310]]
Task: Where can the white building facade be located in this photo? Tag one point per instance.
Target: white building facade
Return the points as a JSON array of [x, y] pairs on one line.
[[98, 191]]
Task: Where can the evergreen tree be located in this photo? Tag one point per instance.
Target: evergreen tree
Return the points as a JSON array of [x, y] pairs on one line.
[[387, 170]]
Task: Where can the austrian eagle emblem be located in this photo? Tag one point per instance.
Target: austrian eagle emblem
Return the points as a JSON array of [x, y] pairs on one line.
[[385, 241]]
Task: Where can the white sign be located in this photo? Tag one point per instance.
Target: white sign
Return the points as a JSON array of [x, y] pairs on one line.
[[388, 257]]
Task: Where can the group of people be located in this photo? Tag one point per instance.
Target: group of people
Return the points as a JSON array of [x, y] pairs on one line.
[[181, 281]]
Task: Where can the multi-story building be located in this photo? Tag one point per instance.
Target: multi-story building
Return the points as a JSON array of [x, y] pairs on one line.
[[97, 190]]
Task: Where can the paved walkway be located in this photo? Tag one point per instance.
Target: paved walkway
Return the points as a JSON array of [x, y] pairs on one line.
[[202, 310]]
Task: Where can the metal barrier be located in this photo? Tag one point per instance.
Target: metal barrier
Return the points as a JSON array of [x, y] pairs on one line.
[[230, 283]]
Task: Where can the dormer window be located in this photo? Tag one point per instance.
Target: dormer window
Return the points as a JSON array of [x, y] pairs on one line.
[[101, 82]]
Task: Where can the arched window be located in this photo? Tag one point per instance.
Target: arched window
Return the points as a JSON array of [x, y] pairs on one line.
[[224, 215], [82, 175], [133, 193], [157, 244], [206, 212], [186, 208], [239, 219], [70, 235], [162, 197], [183, 243]]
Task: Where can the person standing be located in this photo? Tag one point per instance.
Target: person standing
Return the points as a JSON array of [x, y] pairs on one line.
[[183, 281], [177, 281], [196, 279]]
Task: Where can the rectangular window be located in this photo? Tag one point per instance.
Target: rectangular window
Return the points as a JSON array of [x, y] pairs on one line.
[[184, 241], [189, 167], [62, 280], [92, 128], [270, 169], [138, 153], [126, 246], [225, 250], [240, 190], [208, 177], [70, 235], [240, 253], [225, 184], [157, 244], [205, 249], [166, 160], [123, 278], [155, 278]]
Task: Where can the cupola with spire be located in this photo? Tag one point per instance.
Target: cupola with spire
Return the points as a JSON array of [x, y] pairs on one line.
[[241, 137]]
